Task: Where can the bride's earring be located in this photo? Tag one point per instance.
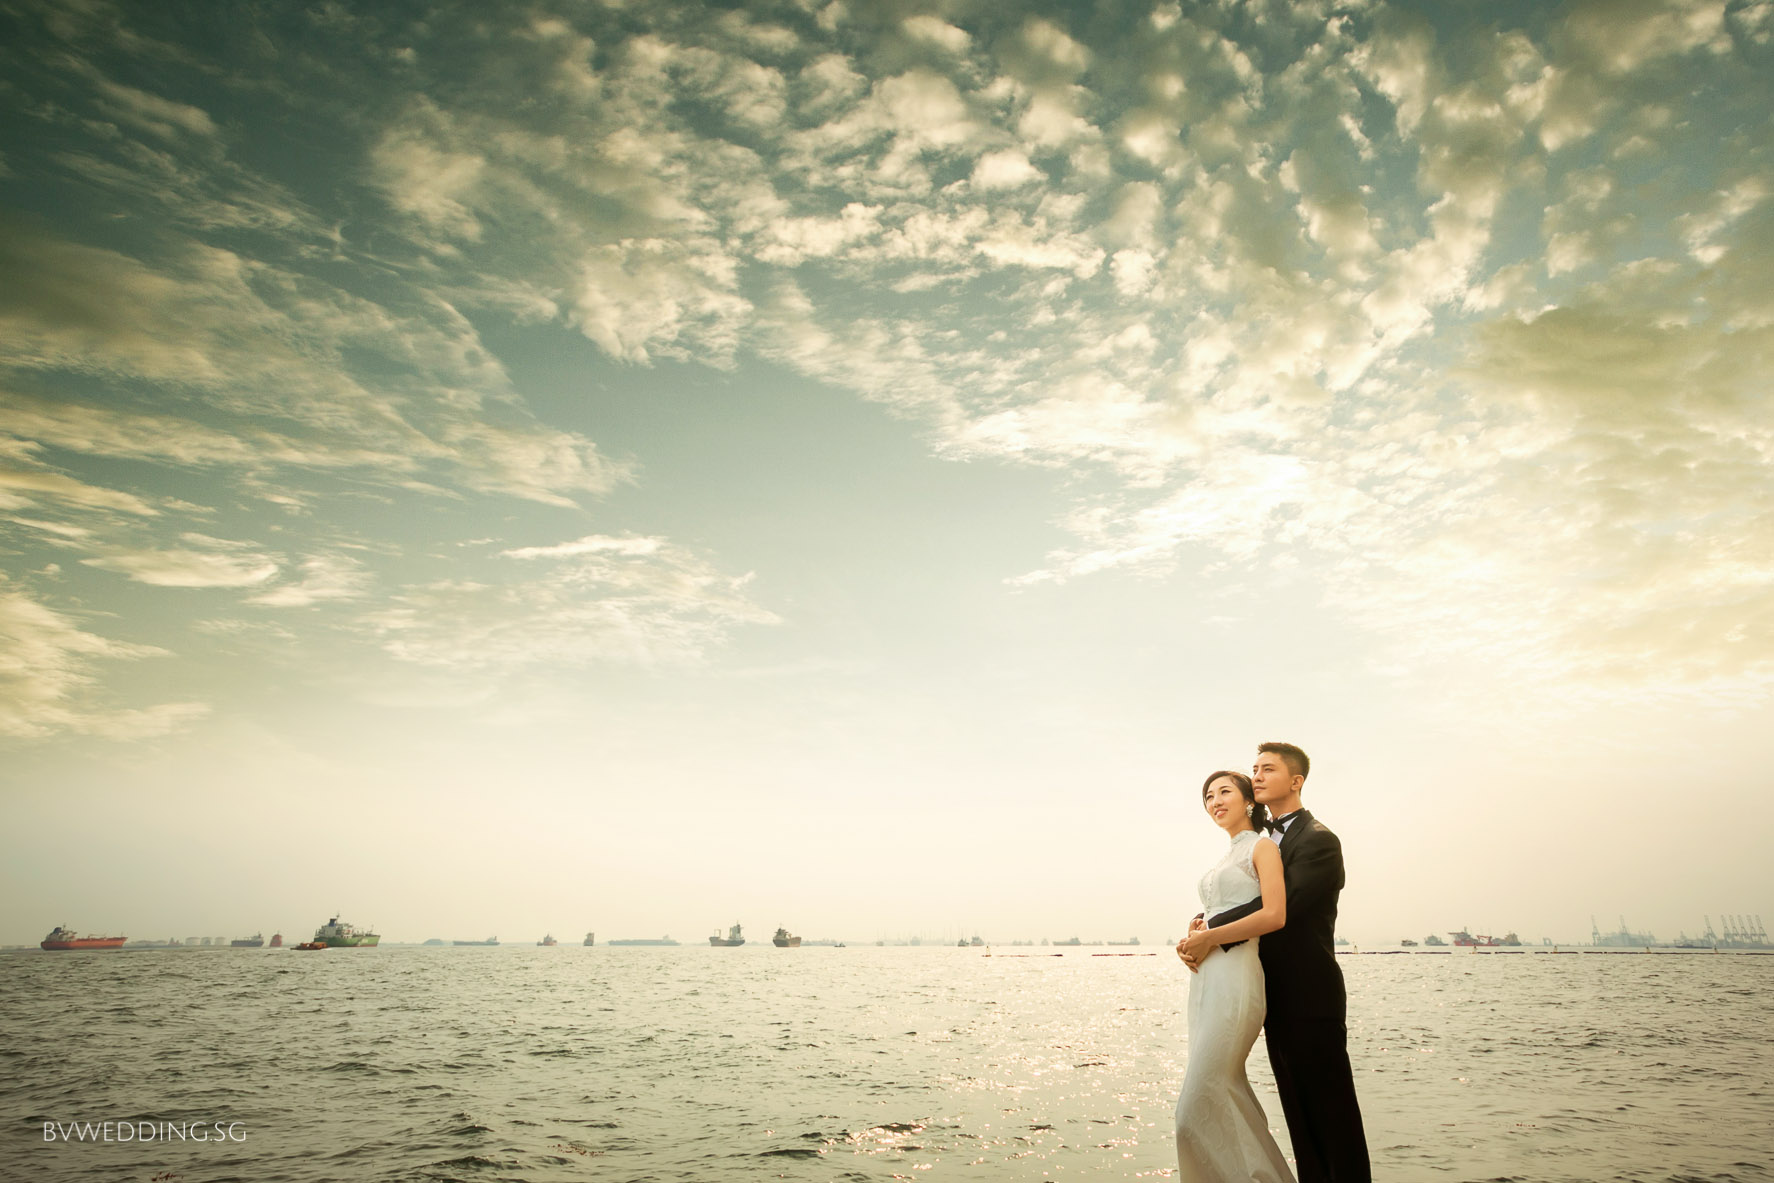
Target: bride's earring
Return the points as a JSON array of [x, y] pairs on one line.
[[1249, 809]]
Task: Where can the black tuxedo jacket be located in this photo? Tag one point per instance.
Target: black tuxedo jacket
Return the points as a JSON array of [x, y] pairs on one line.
[[1300, 968]]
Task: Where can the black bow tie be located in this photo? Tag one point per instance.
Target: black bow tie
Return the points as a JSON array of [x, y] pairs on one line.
[[1282, 822]]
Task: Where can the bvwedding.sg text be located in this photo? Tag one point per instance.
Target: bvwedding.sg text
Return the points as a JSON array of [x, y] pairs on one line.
[[144, 1131]]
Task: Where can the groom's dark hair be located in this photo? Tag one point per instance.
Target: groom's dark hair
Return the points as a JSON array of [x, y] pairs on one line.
[[1298, 762]]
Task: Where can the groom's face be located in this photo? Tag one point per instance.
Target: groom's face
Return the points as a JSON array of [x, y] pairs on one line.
[[1271, 778]]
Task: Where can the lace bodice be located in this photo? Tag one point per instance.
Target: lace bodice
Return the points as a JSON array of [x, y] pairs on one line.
[[1232, 880]]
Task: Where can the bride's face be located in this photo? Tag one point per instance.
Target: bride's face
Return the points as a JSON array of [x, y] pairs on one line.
[[1225, 804]]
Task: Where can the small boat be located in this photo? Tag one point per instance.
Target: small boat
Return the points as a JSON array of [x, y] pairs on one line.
[[548, 941], [309, 946]]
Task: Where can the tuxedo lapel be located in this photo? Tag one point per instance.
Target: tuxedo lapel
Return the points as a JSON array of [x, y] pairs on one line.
[[1290, 837]]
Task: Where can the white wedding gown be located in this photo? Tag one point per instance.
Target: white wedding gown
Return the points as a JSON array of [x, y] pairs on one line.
[[1222, 1133]]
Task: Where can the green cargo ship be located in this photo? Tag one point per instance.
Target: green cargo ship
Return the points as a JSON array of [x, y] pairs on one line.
[[334, 935]]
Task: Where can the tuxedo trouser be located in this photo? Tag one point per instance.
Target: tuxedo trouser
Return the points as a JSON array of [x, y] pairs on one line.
[[1310, 1058]]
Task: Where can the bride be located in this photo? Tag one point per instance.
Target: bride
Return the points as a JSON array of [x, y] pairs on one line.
[[1221, 1131]]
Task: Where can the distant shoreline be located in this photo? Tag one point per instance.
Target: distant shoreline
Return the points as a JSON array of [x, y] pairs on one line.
[[1060, 951]]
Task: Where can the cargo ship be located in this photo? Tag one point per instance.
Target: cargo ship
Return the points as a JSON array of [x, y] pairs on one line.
[[590, 939], [333, 935], [548, 940], [256, 941], [782, 940], [64, 938], [277, 940], [1465, 940], [488, 941], [732, 940]]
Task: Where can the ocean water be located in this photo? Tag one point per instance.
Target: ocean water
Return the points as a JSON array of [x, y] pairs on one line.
[[861, 1063]]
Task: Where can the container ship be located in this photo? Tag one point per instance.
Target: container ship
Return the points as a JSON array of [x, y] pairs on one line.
[[64, 938], [664, 940], [333, 935], [782, 940], [732, 940]]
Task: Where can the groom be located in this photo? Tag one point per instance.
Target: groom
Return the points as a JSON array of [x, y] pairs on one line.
[[1308, 1042]]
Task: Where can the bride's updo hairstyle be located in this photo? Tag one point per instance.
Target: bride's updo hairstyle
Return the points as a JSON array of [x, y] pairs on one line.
[[1259, 814]]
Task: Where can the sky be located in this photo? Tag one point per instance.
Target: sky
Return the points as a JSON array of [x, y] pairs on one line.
[[858, 466]]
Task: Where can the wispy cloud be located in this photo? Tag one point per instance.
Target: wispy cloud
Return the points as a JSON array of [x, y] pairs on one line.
[[23, 488], [187, 568], [270, 354], [599, 600], [48, 676], [323, 578]]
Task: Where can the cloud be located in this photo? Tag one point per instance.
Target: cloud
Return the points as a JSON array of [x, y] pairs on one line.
[[659, 296], [1053, 44], [152, 113], [22, 488], [937, 32], [591, 544], [430, 183], [47, 677], [602, 600], [1005, 169], [324, 578], [266, 349], [187, 568]]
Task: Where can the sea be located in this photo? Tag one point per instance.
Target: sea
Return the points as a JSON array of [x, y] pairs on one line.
[[695, 1064]]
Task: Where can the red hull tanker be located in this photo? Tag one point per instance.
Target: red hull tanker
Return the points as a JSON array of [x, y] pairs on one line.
[[64, 938]]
